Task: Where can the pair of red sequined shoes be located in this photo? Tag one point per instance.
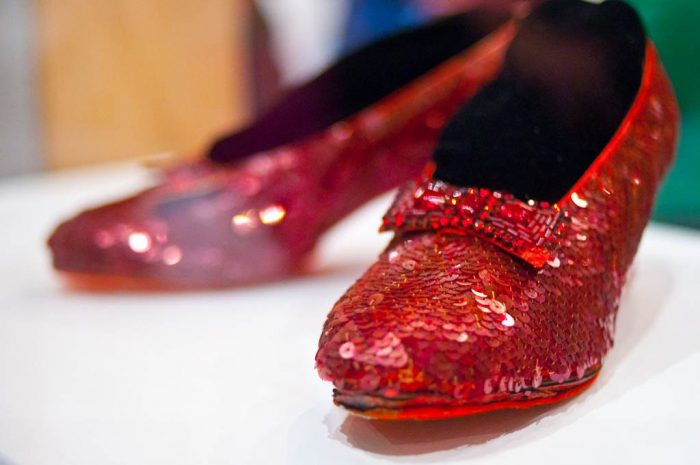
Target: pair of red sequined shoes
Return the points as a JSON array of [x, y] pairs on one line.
[[549, 137]]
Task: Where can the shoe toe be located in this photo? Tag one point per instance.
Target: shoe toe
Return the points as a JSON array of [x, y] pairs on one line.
[[125, 239], [169, 237], [442, 324]]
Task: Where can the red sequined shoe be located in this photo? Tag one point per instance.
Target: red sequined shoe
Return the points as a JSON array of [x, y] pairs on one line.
[[501, 285], [255, 208]]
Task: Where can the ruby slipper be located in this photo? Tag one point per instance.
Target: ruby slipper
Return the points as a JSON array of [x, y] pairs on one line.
[[256, 206], [502, 283]]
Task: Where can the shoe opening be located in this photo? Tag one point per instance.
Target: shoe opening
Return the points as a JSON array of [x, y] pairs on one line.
[[358, 81], [569, 78]]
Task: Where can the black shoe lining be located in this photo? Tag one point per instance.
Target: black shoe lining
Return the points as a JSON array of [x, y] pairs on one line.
[[570, 77], [358, 81]]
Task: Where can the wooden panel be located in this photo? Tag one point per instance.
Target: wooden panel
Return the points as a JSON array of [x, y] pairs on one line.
[[126, 78]]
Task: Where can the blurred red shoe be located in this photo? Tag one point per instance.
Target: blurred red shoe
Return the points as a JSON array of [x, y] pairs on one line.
[[257, 205], [502, 283]]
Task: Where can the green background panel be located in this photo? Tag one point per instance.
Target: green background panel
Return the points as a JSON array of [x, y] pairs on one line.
[[674, 25]]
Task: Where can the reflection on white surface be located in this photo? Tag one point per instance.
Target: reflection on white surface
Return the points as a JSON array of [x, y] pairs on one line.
[[227, 377]]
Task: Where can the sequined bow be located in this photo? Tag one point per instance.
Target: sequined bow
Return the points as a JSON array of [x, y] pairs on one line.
[[528, 230]]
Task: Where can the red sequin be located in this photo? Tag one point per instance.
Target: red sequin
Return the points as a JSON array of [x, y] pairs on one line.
[[501, 307], [530, 231], [219, 225]]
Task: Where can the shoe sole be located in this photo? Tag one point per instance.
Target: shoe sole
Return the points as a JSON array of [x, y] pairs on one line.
[[420, 408]]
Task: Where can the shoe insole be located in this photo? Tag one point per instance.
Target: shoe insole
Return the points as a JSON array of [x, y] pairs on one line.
[[569, 78]]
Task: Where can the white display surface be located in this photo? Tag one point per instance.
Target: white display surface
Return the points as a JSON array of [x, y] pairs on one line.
[[227, 377]]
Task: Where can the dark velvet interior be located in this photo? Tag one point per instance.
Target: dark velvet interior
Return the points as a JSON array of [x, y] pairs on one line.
[[569, 79], [358, 81]]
